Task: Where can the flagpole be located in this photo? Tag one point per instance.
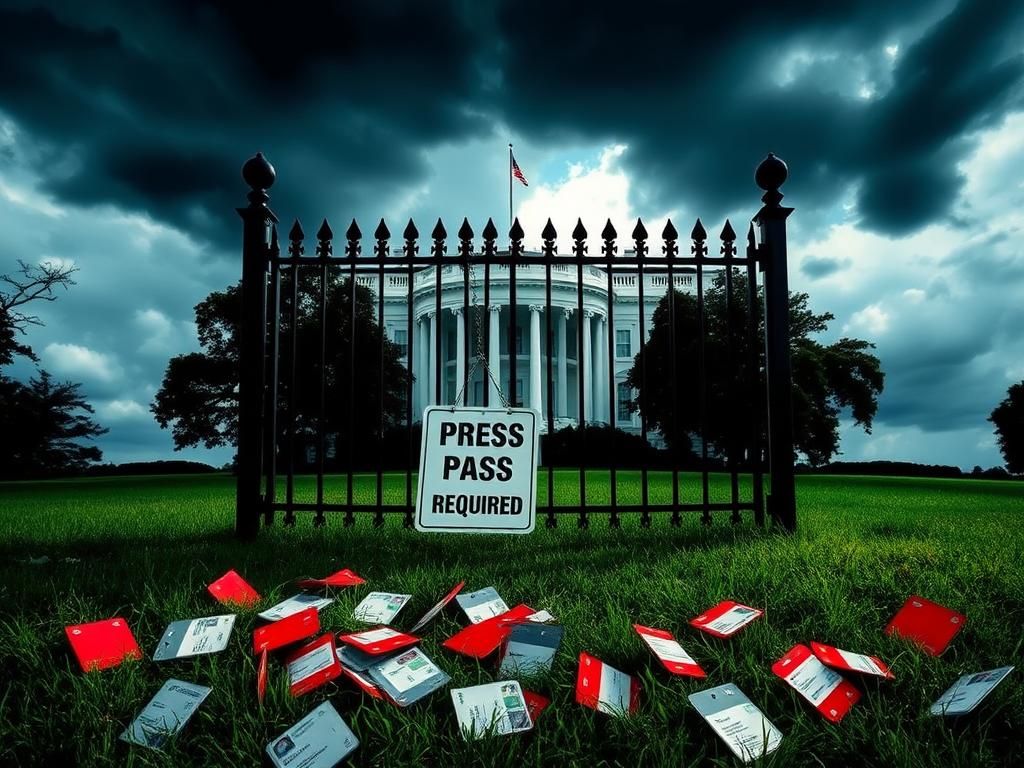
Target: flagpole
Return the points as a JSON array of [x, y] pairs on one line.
[[510, 185]]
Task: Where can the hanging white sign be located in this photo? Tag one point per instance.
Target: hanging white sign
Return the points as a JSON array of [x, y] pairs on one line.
[[478, 470]]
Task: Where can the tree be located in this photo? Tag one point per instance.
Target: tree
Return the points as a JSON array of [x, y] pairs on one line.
[[1008, 417], [28, 284], [41, 422], [198, 399], [826, 379]]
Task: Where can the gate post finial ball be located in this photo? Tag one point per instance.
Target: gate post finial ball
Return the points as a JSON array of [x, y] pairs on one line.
[[258, 172], [771, 173]]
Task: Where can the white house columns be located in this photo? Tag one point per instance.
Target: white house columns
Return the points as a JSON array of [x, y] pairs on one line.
[[460, 356], [600, 409], [586, 362], [591, 363], [536, 381], [561, 374], [494, 356]]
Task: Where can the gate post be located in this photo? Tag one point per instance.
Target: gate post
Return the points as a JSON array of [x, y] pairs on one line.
[[252, 345], [771, 220]]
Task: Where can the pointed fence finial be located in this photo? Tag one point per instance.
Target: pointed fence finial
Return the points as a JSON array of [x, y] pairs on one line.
[[669, 235], [640, 239], [579, 236], [323, 237], [608, 234]]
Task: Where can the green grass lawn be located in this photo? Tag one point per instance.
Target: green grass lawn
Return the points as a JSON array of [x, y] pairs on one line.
[[145, 548]]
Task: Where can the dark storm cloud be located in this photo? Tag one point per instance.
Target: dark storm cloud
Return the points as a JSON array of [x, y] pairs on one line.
[[822, 266], [690, 90], [155, 111]]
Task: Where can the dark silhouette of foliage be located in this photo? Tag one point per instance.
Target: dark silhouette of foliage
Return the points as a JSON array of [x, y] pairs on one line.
[[1008, 418], [826, 379], [41, 423], [198, 399], [28, 284]]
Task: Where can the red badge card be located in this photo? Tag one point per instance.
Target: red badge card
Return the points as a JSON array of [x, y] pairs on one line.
[[725, 619], [429, 615], [102, 644], [286, 631], [926, 623], [535, 704], [663, 645], [380, 640], [313, 665], [605, 688], [261, 677], [343, 578], [481, 640], [828, 691], [364, 683], [851, 662], [232, 589]]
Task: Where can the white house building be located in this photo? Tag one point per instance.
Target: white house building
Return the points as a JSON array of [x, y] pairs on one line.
[[452, 325]]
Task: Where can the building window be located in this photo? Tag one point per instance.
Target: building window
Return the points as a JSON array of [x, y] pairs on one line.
[[401, 339], [623, 346], [519, 339], [624, 398]]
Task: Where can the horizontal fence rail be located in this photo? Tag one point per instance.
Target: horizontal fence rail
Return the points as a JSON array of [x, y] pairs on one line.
[[358, 336]]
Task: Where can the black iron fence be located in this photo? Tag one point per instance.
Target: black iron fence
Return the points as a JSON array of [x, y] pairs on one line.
[[340, 352]]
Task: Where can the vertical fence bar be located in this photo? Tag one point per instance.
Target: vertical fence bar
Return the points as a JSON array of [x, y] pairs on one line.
[[259, 175], [465, 257], [640, 246], [548, 250], [699, 235], [771, 219], [323, 251], [382, 251], [488, 251], [728, 251], [756, 393], [671, 249], [353, 248], [608, 250], [437, 322], [410, 356], [270, 441], [515, 253], [295, 251], [471, 312], [579, 235]]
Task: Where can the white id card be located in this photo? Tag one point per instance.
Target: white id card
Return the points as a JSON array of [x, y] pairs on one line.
[[408, 677], [317, 660], [194, 637], [319, 740], [967, 692], [294, 604], [483, 604], [813, 680], [380, 607], [491, 709], [732, 620], [741, 725], [165, 714]]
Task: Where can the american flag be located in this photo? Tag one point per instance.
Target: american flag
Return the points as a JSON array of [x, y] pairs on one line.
[[518, 173]]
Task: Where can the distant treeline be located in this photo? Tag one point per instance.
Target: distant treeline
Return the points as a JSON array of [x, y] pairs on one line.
[[903, 469], [151, 468]]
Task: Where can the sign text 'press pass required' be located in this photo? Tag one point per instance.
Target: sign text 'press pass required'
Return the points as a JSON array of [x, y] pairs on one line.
[[478, 470]]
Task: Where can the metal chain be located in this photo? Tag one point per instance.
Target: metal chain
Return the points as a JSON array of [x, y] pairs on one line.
[[480, 358]]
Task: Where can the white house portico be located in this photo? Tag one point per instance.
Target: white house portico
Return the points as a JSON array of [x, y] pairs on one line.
[[601, 379]]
